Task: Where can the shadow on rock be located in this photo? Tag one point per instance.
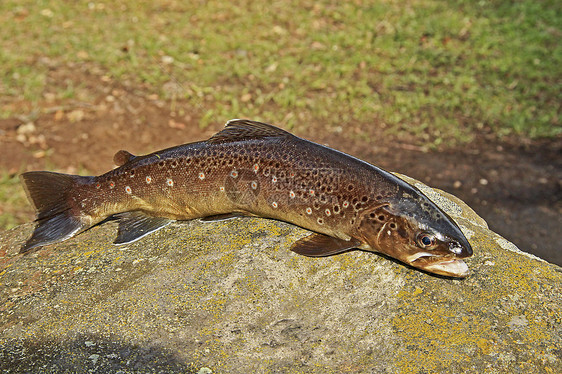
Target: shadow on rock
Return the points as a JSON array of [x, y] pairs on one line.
[[87, 354]]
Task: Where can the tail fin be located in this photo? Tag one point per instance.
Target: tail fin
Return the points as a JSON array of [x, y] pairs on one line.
[[51, 195]]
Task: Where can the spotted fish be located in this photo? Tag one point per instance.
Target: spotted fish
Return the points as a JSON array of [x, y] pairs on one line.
[[255, 169]]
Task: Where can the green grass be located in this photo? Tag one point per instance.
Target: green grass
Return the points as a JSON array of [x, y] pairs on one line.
[[431, 73], [14, 208], [428, 71]]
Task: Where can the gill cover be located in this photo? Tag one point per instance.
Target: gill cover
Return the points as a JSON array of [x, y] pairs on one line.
[[416, 232]]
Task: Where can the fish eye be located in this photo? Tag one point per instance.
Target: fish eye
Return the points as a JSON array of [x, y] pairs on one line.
[[425, 240]]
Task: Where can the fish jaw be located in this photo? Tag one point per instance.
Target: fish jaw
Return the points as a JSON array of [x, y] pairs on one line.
[[441, 265]]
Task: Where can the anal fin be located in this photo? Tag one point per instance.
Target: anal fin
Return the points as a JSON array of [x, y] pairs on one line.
[[318, 245], [134, 225]]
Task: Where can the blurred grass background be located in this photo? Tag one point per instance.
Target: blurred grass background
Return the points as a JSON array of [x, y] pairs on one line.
[[431, 73], [433, 69]]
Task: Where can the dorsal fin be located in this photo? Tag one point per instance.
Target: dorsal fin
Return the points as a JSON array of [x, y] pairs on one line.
[[243, 129], [122, 157]]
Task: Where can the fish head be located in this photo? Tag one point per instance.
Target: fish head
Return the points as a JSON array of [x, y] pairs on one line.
[[416, 232]]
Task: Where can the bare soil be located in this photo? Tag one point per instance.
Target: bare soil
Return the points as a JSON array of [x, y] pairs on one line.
[[514, 184]]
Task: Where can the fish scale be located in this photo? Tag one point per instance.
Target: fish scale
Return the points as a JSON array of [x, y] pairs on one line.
[[255, 169]]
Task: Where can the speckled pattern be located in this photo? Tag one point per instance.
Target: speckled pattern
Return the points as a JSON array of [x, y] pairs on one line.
[[280, 177], [257, 169], [229, 296]]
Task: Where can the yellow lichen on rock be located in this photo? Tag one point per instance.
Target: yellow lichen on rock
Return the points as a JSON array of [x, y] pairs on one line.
[[232, 297]]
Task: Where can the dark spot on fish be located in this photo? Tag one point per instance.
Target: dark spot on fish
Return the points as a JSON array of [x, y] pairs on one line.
[[132, 173], [336, 208], [350, 187], [316, 204], [364, 199], [162, 163], [392, 225], [381, 217], [372, 215], [379, 197]]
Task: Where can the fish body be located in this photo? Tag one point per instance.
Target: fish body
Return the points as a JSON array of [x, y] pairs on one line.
[[255, 169]]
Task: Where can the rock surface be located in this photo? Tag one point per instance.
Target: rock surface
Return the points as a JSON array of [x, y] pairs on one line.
[[229, 297]]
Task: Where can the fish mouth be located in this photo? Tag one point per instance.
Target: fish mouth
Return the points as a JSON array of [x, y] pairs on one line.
[[442, 265]]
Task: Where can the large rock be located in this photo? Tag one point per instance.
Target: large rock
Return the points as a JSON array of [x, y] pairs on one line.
[[230, 297]]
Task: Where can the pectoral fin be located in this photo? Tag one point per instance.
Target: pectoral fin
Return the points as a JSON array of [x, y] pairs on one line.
[[318, 245], [135, 225]]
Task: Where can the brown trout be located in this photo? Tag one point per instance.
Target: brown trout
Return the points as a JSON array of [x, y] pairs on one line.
[[254, 169]]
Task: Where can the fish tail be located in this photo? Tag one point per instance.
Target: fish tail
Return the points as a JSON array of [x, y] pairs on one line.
[[58, 215]]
